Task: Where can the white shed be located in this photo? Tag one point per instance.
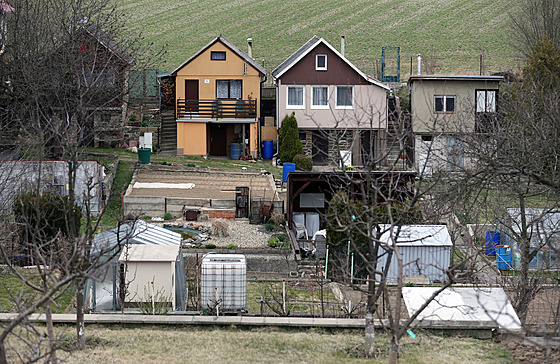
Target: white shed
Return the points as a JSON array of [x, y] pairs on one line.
[[427, 249], [153, 270]]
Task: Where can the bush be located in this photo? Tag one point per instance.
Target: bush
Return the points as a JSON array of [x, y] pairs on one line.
[[269, 226], [46, 214], [303, 162], [281, 237], [167, 216], [230, 246], [273, 242], [210, 246], [289, 143]]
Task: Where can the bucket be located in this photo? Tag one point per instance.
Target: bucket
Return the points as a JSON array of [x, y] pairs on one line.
[[287, 168], [267, 149], [492, 240], [503, 257], [144, 155], [235, 151]]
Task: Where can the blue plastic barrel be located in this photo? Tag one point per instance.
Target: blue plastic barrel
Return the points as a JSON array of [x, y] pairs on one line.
[[492, 241], [235, 151], [267, 149], [503, 257], [287, 168]]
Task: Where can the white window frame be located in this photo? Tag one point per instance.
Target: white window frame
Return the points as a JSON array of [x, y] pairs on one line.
[[288, 106], [483, 108], [317, 67], [337, 106], [445, 97], [313, 106]]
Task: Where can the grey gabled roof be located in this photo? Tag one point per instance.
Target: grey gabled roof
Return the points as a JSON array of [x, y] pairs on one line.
[[308, 47], [231, 46]]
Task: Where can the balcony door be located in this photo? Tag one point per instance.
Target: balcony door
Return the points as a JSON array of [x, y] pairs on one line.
[[191, 95]]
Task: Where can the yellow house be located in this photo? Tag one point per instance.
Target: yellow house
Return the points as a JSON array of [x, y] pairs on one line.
[[217, 101]]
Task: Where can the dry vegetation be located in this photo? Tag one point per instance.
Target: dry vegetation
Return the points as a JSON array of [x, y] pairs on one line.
[[160, 344]]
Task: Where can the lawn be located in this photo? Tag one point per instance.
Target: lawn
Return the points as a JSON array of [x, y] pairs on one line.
[[160, 344], [450, 34]]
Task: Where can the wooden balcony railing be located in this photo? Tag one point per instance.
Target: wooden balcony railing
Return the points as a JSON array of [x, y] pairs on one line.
[[216, 109]]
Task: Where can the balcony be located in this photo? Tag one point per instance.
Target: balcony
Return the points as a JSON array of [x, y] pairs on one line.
[[216, 109]]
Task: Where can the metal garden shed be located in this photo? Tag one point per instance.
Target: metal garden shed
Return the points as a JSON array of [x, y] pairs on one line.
[[425, 251]]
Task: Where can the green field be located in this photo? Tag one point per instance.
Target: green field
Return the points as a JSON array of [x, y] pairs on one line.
[[451, 34]]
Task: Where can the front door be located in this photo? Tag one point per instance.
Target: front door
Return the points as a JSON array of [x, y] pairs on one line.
[[218, 139], [191, 95], [320, 148]]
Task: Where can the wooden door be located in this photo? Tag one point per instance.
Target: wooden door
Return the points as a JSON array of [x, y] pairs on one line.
[[191, 95], [218, 139]]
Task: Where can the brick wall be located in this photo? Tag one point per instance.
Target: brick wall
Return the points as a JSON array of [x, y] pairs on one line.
[[224, 214]]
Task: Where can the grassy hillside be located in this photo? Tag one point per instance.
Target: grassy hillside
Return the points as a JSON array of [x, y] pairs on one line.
[[450, 33]]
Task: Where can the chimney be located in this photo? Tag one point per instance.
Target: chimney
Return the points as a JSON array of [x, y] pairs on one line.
[[342, 44], [419, 65], [250, 47]]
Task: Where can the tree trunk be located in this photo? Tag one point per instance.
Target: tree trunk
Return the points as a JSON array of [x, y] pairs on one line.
[[50, 333], [3, 359], [80, 328], [393, 351], [370, 329]]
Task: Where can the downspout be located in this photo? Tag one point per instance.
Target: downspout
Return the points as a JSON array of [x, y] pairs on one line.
[[277, 121], [263, 80]]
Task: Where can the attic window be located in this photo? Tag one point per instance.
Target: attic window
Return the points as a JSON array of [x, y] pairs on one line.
[[321, 62], [218, 55]]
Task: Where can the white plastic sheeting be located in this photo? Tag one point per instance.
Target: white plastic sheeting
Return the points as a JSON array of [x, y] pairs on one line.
[[181, 186], [463, 304]]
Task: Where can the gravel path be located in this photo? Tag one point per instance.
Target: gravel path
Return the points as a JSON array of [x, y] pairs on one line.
[[240, 233]]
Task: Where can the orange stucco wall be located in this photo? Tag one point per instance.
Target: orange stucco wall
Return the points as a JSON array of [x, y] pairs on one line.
[[191, 137], [206, 71]]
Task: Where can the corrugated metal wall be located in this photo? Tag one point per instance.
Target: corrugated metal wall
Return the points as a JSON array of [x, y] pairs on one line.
[[431, 262]]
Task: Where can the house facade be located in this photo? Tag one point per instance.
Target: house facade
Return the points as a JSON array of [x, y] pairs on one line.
[[443, 109], [217, 95], [341, 112]]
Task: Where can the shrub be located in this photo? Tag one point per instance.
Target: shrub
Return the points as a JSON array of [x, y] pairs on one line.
[[281, 237], [303, 162], [219, 227], [278, 219], [167, 216], [230, 246], [269, 226], [273, 242], [290, 145], [210, 246], [46, 214]]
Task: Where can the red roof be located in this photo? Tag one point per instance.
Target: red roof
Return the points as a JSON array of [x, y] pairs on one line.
[[5, 7]]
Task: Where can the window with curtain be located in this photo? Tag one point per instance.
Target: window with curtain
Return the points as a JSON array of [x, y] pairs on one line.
[[344, 96], [295, 96], [229, 89], [320, 96], [485, 100]]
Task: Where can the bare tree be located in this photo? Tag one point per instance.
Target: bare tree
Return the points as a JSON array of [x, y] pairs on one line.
[[534, 21], [66, 65]]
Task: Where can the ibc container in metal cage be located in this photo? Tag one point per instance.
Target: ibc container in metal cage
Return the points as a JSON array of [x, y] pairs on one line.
[[224, 276]]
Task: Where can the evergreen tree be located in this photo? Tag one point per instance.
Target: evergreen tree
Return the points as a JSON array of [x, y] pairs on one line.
[[290, 145]]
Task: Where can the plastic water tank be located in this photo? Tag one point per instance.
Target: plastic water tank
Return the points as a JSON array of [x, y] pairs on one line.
[[268, 148], [287, 168], [225, 274], [235, 151], [492, 241]]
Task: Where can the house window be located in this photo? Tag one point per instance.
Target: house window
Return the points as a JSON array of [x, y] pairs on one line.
[[302, 136], [344, 97], [320, 97], [445, 103], [295, 97], [218, 55], [321, 62], [485, 100], [228, 89]]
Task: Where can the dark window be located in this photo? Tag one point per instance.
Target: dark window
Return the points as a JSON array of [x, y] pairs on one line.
[[321, 62], [218, 55], [426, 138], [445, 103], [303, 136]]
